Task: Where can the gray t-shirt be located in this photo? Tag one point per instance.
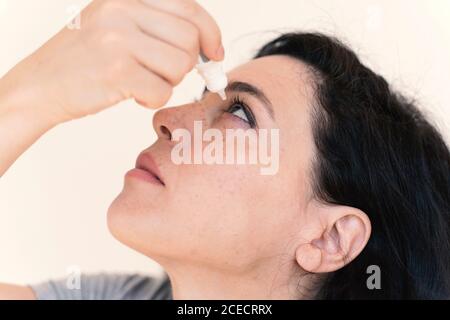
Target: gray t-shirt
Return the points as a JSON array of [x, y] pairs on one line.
[[106, 287]]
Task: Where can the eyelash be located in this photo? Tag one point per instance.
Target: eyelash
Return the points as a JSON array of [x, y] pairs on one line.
[[237, 101]]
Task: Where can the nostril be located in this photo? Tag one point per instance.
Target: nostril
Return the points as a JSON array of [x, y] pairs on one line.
[[165, 132]]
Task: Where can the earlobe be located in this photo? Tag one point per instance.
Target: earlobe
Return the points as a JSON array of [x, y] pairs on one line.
[[309, 257], [322, 254]]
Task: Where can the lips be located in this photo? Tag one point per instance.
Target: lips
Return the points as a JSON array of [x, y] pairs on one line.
[[145, 162]]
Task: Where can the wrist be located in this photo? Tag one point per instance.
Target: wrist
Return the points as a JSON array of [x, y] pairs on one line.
[[23, 102]]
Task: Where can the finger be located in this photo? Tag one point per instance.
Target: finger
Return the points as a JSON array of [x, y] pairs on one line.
[[147, 88], [165, 60], [210, 35], [167, 27]]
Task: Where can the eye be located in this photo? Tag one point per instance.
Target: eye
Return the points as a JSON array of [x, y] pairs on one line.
[[239, 109]]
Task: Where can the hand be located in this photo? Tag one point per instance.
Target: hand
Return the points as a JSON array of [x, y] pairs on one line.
[[136, 49]]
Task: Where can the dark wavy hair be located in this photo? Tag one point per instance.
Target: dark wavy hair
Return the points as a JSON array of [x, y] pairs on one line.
[[377, 152]]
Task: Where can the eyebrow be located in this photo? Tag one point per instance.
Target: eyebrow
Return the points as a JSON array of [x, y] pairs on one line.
[[245, 87]]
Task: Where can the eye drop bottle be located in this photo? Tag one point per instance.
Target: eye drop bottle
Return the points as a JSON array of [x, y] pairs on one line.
[[213, 74]]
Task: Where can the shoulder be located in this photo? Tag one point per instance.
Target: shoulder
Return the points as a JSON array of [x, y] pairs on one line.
[[105, 286]]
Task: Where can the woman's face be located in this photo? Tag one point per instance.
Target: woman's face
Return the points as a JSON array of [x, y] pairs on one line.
[[225, 216]]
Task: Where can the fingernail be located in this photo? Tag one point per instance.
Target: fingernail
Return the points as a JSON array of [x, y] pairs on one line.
[[220, 53]]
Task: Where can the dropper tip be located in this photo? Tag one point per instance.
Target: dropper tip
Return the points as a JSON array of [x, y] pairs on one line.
[[222, 94]]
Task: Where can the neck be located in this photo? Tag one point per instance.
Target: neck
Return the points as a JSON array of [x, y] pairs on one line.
[[200, 283]]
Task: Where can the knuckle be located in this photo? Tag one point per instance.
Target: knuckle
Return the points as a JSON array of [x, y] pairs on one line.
[[117, 68], [109, 37], [108, 10], [109, 6], [189, 8]]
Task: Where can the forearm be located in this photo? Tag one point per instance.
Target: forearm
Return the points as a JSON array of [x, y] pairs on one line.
[[21, 124]]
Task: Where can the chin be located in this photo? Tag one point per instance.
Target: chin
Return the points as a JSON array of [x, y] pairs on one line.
[[124, 219], [117, 219], [138, 230]]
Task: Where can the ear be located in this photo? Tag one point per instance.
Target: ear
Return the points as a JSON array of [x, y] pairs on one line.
[[336, 235]]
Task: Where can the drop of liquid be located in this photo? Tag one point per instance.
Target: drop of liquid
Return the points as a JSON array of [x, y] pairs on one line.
[[222, 94]]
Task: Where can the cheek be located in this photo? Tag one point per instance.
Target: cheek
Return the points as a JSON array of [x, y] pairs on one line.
[[214, 201], [216, 191], [234, 204], [235, 208]]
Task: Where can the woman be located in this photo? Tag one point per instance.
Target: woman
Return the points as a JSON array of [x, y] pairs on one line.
[[363, 179]]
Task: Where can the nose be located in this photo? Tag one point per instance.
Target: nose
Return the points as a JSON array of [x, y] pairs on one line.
[[163, 123], [166, 120]]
